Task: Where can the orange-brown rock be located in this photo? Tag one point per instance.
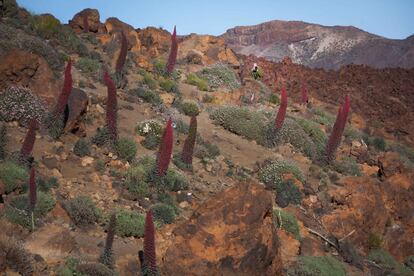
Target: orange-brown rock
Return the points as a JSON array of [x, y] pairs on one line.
[[114, 26], [357, 205], [2, 188], [389, 164], [230, 234], [29, 70], [206, 49], [289, 247], [93, 21]]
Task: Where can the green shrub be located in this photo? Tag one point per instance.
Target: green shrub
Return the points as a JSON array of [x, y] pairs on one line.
[[159, 67], [148, 127], [347, 166], [274, 99], [375, 241], [101, 137], [201, 84], [167, 85], [82, 210], [45, 26], [181, 127], [129, 223], [15, 258], [151, 142], [12, 175], [272, 173], [172, 181], [82, 147], [147, 95], [126, 149], [97, 269], [322, 117], [204, 149], [207, 99], [46, 185], [219, 75], [318, 266], [136, 184], [190, 109], [388, 264], [18, 211], [88, 66], [315, 133], [149, 80], [379, 143], [287, 192], [20, 104], [287, 221], [163, 213]]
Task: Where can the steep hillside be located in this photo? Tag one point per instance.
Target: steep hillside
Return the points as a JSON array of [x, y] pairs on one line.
[[320, 46]]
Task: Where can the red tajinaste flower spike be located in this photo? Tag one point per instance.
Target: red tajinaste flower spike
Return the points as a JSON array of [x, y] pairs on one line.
[[280, 118], [111, 108], [172, 58], [32, 189], [345, 111], [150, 259], [66, 90], [120, 62], [165, 150], [188, 149], [29, 141], [304, 95]]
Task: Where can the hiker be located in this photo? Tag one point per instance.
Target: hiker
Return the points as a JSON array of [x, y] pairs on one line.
[[256, 73]]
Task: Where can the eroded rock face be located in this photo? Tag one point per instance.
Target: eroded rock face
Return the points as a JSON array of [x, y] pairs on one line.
[[357, 206], [78, 104], [230, 234], [29, 70], [91, 18], [210, 50]]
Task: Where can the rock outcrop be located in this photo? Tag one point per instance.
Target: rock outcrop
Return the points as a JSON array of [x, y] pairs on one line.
[[232, 233], [29, 70], [90, 18], [77, 104]]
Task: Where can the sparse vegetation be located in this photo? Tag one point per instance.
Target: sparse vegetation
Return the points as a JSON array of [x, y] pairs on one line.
[[82, 211], [318, 266], [82, 147], [219, 75], [201, 84], [388, 264], [347, 166], [167, 85], [190, 108], [12, 175], [147, 95], [126, 149], [163, 212], [129, 223], [272, 174], [286, 221], [88, 66], [15, 256], [287, 192]]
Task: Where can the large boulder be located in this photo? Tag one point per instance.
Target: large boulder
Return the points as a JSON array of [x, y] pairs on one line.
[[114, 26], [29, 70], [231, 233], [77, 105], [90, 18]]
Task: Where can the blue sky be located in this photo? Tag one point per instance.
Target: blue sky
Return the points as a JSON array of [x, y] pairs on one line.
[[389, 18]]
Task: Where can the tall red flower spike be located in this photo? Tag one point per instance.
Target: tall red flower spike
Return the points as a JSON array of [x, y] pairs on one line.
[[67, 89], [172, 58], [120, 62], [280, 118], [111, 108], [338, 129], [304, 95], [32, 189], [29, 141], [188, 149], [165, 150], [150, 259]]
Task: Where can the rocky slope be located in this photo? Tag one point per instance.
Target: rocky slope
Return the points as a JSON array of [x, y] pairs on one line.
[[244, 208], [320, 46]]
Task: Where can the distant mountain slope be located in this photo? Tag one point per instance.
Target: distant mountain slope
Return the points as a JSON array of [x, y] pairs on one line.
[[320, 46]]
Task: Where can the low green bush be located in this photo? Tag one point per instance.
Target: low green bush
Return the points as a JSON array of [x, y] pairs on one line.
[[388, 264], [12, 175], [82, 147], [205, 149], [315, 133], [88, 66], [152, 131], [190, 108], [219, 75], [347, 166], [207, 99], [101, 137], [149, 80], [274, 99], [129, 223], [167, 85], [318, 266], [136, 182], [286, 221], [272, 173], [126, 149], [201, 84], [82, 210], [163, 212], [287, 192], [148, 96]]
